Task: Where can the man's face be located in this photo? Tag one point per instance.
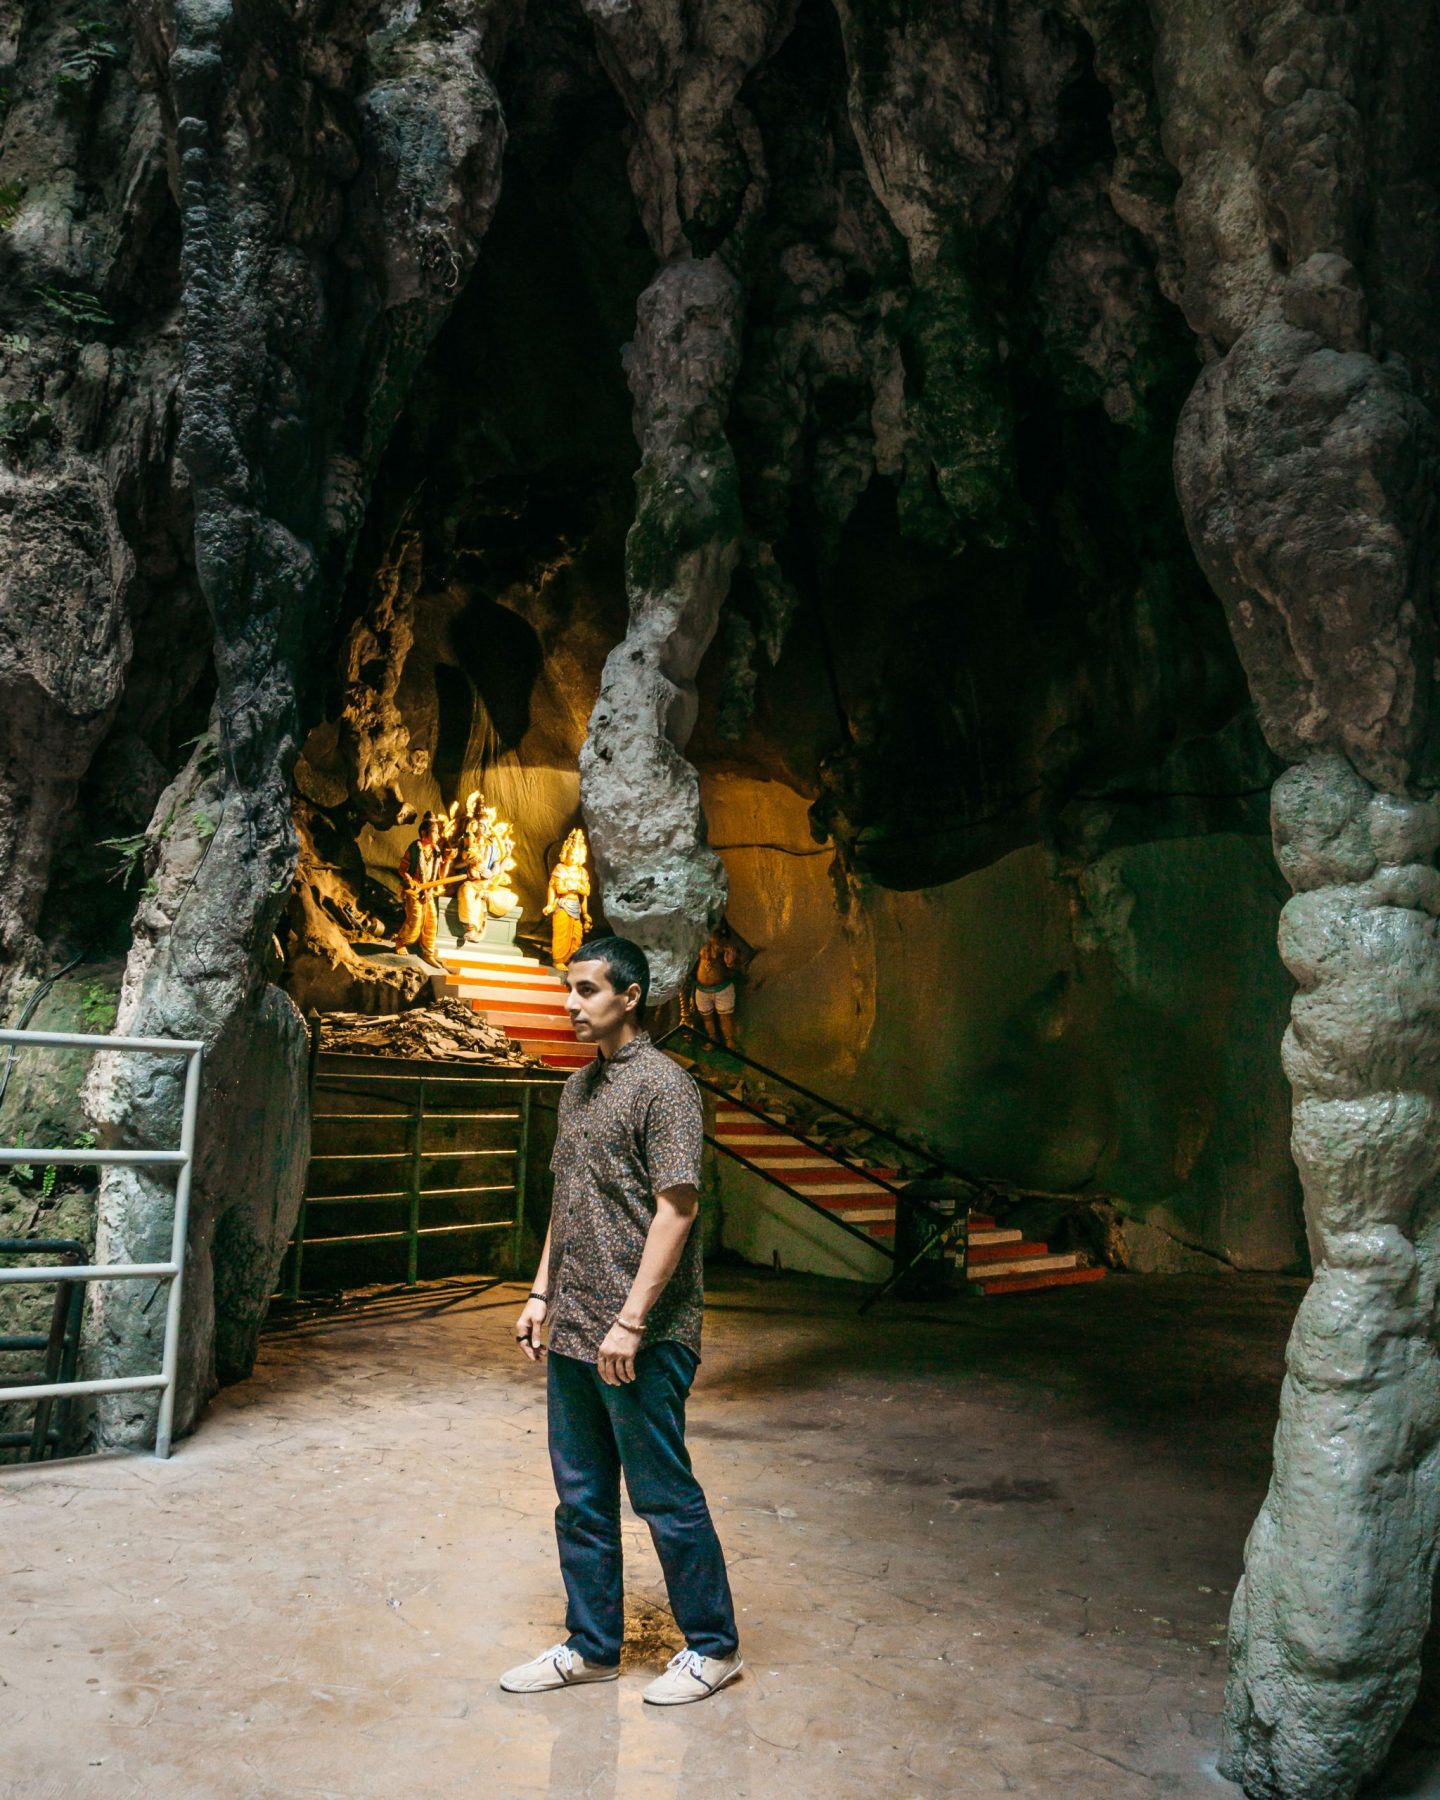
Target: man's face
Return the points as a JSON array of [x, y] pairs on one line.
[[595, 1009]]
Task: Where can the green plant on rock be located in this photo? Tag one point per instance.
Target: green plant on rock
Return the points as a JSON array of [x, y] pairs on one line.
[[73, 305], [22, 1171], [12, 198], [209, 757], [14, 343], [19, 419], [92, 53], [129, 854], [98, 1006]]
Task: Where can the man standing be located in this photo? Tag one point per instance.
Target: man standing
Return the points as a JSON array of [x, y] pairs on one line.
[[619, 1288], [423, 868]]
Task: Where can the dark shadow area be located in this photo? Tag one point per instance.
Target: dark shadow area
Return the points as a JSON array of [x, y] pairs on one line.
[[1412, 1771], [325, 1313], [502, 654], [1188, 1365], [455, 709]]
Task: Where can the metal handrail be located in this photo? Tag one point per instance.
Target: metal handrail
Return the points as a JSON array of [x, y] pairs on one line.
[[795, 1194], [834, 1106], [61, 1344], [835, 1153], [943, 1227], [173, 1271]]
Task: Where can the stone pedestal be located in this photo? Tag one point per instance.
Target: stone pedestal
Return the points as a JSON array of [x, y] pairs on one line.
[[497, 937]]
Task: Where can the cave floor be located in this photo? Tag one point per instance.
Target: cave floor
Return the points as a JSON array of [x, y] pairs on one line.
[[978, 1548]]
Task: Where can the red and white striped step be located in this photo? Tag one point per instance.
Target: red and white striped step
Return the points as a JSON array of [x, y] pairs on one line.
[[522, 997], [1001, 1261]]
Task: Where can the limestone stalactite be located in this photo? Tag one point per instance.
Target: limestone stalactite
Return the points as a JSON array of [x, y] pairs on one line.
[[698, 178], [65, 646], [662, 884]]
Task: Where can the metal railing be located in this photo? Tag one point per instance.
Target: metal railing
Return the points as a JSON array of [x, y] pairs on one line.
[[61, 1343], [181, 1160], [408, 1185], [940, 1228]]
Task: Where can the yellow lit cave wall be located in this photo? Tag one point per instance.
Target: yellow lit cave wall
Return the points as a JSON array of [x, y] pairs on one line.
[[1120, 1042]]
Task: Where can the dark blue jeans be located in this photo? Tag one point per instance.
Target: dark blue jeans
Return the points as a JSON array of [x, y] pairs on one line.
[[596, 1433]]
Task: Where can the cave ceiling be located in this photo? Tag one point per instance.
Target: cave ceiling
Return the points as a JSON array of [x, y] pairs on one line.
[[965, 615]]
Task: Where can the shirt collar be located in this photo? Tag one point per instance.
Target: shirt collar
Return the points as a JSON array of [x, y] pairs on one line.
[[623, 1054]]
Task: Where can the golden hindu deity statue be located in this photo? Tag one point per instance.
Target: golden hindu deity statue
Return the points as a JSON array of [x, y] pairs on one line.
[[567, 904], [500, 897], [485, 845]]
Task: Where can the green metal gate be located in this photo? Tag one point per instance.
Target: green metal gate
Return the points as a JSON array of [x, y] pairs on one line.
[[410, 1154]]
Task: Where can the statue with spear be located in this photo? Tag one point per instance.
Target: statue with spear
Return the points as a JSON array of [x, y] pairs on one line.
[[424, 873]]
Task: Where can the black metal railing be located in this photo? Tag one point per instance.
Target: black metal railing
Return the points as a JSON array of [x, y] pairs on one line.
[[938, 1227], [61, 1344], [406, 1174]]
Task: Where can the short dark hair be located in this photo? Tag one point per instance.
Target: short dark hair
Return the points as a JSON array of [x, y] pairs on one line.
[[624, 962]]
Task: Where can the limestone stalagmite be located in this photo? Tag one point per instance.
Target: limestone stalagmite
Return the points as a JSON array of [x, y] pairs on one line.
[[1306, 463], [1329, 1618]]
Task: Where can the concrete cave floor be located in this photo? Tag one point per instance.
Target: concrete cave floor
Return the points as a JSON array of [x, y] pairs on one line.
[[977, 1547]]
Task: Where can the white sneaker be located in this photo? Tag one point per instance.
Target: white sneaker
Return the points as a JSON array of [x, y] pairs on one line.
[[556, 1667], [691, 1676]]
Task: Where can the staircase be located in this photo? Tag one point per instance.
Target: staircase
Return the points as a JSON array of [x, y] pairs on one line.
[[520, 995], [523, 997], [1001, 1261]]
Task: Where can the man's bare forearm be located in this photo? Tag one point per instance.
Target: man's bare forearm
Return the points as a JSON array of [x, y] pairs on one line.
[[675, 1212], [542, 1273]]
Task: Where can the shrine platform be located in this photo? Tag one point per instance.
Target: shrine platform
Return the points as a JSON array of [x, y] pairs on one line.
[[520, 994]]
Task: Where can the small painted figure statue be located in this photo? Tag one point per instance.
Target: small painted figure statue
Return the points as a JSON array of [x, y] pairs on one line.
[[567, 904], [423, 869], [720, 957], [477, 858], [500, 897], [486, 850]]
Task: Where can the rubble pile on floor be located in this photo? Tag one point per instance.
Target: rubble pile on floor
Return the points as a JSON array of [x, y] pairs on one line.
[[449, 1031]]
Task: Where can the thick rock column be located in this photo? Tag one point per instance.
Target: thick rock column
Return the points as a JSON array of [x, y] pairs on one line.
[[1330, 1615], [1305, 469], [662, 883], [308, 307], [1306, 462], [697, 172]]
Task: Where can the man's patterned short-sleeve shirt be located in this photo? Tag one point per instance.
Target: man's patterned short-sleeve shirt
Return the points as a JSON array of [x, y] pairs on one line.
[[629, 1127]]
